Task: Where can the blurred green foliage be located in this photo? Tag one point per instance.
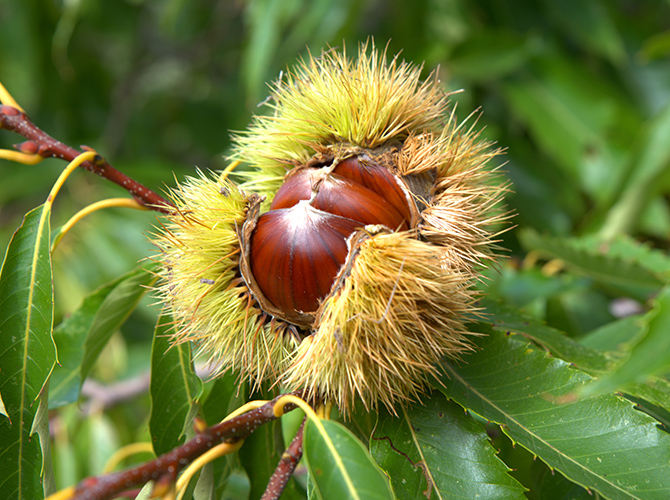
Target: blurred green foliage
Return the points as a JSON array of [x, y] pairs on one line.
[[576, 92]]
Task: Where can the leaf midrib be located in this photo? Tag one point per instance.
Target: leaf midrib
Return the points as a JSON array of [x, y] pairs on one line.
[[420, 450]]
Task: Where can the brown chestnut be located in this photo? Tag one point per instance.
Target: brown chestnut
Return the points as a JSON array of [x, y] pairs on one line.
[[295, 255], [338, 195], [366, 172]]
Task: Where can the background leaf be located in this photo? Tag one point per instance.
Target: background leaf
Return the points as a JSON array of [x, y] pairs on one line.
[[113, 312], [601, 443], [622, 270], [27, 353], [340, 465], [260, 454], [504, 319], [70, 336], [438, 451], [649, 356]]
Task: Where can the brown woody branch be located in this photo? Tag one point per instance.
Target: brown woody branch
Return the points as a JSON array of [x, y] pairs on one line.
[[40, 143], [167, 466], [286, 467]]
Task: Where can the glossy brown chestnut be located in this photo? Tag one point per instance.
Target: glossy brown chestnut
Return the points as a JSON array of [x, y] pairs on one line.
[[366, 172], [338, 195], [296, 253]]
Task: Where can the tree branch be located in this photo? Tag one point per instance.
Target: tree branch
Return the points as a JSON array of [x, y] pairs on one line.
[[169, 464], [42, 144], [285, 467]]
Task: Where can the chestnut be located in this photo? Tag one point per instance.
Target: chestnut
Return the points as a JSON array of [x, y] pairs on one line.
[[340, 196], [295, 255]]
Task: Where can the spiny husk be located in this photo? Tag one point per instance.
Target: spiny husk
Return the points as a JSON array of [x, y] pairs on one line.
[[379, 336], [401, 302], [201, 286], [463, 204], [333, 99]]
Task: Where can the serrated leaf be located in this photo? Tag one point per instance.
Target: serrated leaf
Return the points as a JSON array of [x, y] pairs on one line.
[[551, 484], [27, 353], [340, 465], [436, 450], [601, 443], [504, 318], [113, 312], [622, 271], [649, 356], [174, 389]]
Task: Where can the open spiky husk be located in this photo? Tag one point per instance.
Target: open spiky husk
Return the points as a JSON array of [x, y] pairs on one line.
[[394, 315], [402, 300]]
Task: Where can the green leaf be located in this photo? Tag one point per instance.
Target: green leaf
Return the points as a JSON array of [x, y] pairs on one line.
[[601, 443], [174, 390], [556, 487], [224, 395], [113, 312], [436, 450], [649, 163], [656, 391], [649, 356], [613, 335], [70, 336], [567, 115], [220, 397], [27, 352], [340, 465], [590, 23], [504, 318], [490, 55], [620, 267]]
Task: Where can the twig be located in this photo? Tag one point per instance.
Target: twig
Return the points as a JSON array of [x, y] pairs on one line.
[[285, 467], [42, 144], [168, 465]]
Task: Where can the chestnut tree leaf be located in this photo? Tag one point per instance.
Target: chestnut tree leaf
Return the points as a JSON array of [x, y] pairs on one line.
[[649, 356], [621, 266], [112, 313], [340, 466], [613, 336], [70, 336], [174, 389], [567, 115], [436, 450], [601, 443], [260, 455], [27, 352], [220, 397], [504, 318]]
